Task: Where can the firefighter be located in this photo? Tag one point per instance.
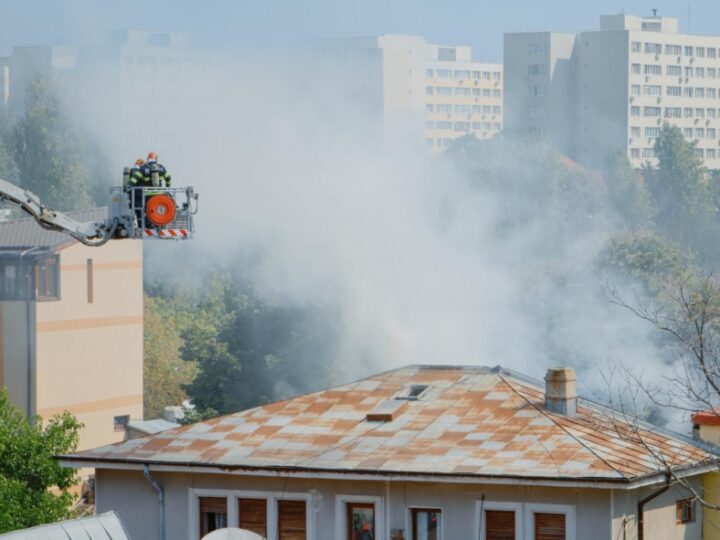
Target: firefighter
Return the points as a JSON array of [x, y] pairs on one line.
[[137, 180], [163, 174]]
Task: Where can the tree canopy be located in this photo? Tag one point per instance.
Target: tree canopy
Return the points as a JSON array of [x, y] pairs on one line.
[[34, 488]]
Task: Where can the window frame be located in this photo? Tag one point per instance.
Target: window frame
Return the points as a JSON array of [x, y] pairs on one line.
[[569, 510], [481, 506], [341, 524], [232, 496], [348, 509], [410, 519]]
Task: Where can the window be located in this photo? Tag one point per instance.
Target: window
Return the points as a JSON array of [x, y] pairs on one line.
[[635, 69], [635, 46], [252, 515], [486, 75], [537, 69], [462, 91], [476, 92], [476, 75], [90, 281], [700, 72], [635, 89], [462, 74], [674, 71], [443, 73], [653, 48], [700, 51], [292, 520], [428, 72], [634, 110], [634, 153], [652, 132], [496, 76], [711, 73], [120, 422], [213, 514], [687, 112], [700, 92], [463, 109], [443, 108], [541, 48], [548, 526], [537, 90], [476, 125], [648, 153], [537, 112], [486, 109], [711, 93], [651, 111], [673, 91], [413, 392], [652, 90], [699, 133], [688, 51], [711, 133], [653, 69], [688, 133], [496, 93], [428, 90], [673, 50], [486, 92], [712, 52], [499, 525], [497, 109], [443, 90], [476, 109], [688, 72], [428, 124], [711, 153], [443, 124], [635, 131], [710, 113], [462, 126], [360, 521], [46, 279], [673, 112], [699, 152], [699, 113], [426, 524], [688, 91]]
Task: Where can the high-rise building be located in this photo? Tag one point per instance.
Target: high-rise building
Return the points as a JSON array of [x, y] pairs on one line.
[[436, 89], [598, 91], [4, 81]]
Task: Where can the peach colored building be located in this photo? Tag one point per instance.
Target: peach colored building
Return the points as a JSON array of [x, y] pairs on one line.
[[71, 325]]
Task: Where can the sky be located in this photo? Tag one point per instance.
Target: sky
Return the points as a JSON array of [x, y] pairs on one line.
[[236, 23]]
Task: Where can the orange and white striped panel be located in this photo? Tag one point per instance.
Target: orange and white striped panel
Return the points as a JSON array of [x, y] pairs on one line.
[[173, 234]]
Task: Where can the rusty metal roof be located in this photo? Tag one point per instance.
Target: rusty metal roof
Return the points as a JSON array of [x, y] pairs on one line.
[[470, 421]]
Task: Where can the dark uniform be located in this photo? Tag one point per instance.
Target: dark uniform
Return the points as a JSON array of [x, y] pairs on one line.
[[163, 175]]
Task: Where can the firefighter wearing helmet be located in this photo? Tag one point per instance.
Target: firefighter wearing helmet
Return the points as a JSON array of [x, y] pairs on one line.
[[151, 165]]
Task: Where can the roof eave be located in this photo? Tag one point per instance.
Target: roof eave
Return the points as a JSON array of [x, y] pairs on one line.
[[622, 483]]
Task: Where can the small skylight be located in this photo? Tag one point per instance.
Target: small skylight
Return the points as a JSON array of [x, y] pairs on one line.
[[413, 392]]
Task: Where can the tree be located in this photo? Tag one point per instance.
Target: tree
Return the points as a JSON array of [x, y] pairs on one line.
[[680, 189], [165, 372], [48, 152], [627, 192], [34, 488], [7, 165]]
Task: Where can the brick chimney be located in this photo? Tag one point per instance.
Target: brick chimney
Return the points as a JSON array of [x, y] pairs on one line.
[[561, 391]]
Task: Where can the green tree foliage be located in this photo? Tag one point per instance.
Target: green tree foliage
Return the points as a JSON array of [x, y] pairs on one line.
[[48, 152], [33, 485], [250, 351], [165, 373], [627, 193], [681, 191], [7, 165]]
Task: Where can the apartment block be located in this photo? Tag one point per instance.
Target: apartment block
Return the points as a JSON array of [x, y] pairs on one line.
[[71, 327], [433, 91], [4, 81], [461, 96], [598, 91]]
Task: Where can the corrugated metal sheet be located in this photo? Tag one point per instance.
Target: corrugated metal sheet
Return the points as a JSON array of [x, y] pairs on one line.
[[471, 421], [103, 527]]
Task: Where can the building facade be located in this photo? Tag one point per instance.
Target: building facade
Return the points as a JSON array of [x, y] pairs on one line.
[[429, 90], [421, 452], [71, 328], [596, 92]]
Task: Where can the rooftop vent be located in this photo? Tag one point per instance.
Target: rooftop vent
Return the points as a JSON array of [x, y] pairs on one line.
[[561, 391], [413, 392], [386, 411]]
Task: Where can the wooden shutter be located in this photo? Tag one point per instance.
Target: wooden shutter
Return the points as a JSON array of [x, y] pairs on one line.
[[253, 515], [549, 526], [500, 525], [213, 514], [291, 520]]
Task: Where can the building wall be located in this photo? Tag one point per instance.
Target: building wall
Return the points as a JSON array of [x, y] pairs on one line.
[[598, 514], [17, 352], [90, 354]]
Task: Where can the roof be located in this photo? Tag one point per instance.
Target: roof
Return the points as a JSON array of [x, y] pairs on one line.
[[103, 527], [19, 235], [470, 422], [152, 426], [707, 418]]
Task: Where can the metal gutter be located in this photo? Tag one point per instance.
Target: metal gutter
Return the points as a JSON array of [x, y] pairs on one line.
[[643, 502], [161, 500]]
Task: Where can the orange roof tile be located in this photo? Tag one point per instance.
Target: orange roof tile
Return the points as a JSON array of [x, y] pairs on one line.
[[472, 421]]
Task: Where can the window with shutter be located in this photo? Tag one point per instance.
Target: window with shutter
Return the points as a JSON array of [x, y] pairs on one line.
[[499, 525], [213, 514], [252, 515], [291, 520], [549, 526]]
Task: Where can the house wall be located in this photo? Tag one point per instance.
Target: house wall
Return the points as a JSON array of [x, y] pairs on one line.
[[128, 493], [89, 354]]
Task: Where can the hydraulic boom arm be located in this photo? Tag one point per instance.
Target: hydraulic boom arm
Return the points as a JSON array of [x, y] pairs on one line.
[[88, 233]]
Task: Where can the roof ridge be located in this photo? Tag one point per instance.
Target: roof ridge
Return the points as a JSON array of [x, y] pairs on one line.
[[552, 419]]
